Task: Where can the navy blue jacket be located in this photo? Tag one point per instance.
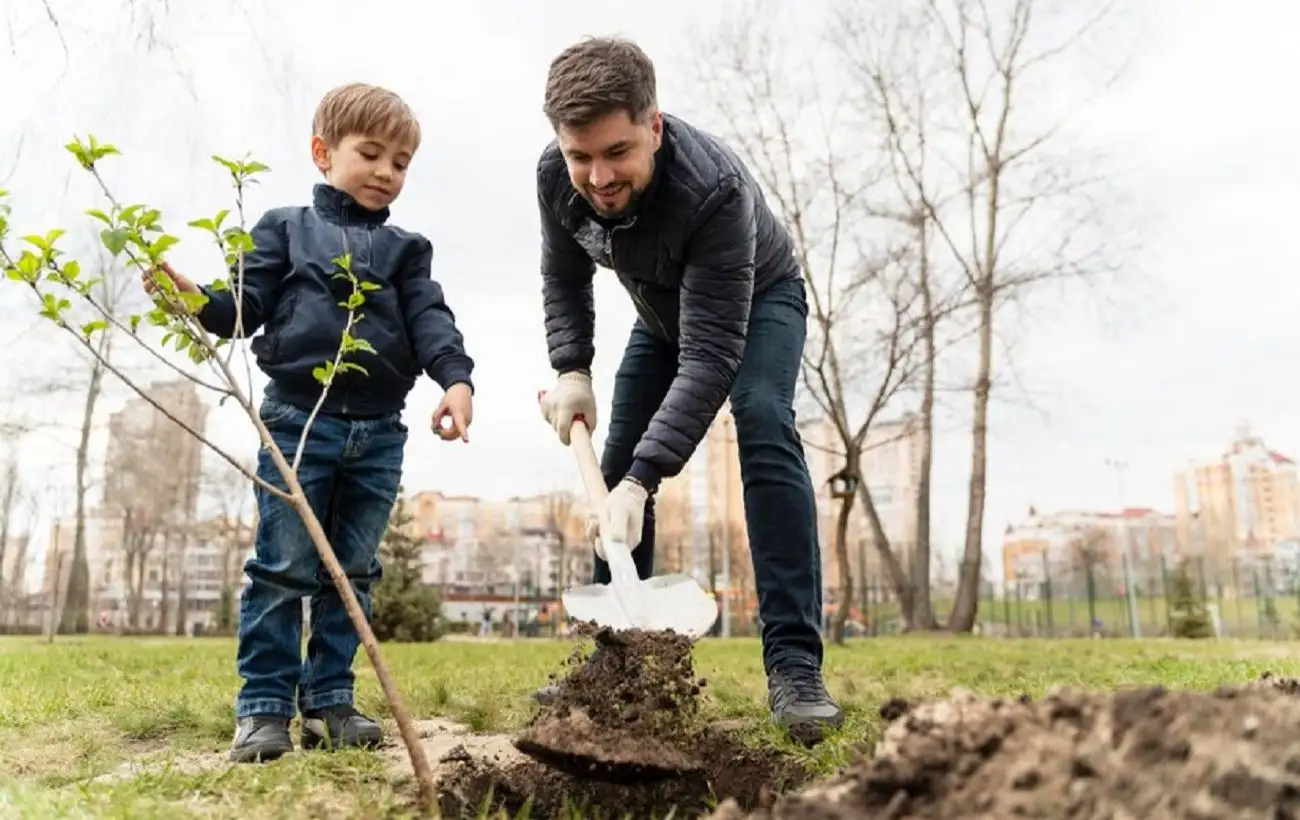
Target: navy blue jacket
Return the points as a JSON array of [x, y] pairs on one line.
[[700, 246], [290, 291]]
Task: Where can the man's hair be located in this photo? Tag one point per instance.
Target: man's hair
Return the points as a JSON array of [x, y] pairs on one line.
[[365, 110], [596, 77]]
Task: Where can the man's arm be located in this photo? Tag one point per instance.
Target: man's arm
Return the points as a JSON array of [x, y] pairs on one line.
[[439, 344], [568, 299], [264, 267], [717, 289]]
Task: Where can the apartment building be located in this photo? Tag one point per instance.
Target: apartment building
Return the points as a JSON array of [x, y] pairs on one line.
[[1059, 545], [1244, 502]]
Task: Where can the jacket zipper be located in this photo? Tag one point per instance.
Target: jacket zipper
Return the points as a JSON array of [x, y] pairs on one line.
[[346, 250], [637, 296]]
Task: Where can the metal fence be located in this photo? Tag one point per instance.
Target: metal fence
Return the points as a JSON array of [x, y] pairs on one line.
[[1244, 597]]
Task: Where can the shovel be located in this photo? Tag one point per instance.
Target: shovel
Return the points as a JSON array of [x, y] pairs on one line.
[[674, 602]]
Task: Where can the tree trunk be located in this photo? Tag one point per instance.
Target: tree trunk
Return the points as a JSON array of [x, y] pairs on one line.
[[164, 588], [904, 587], [6, 514], [922, 612], [846, 574], [76, 606], [182, 588], [966, 602]]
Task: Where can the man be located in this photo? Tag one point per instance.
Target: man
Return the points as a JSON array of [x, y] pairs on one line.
[[722, 313]]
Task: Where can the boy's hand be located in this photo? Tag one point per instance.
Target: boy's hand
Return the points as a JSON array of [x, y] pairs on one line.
[[458, 404], [182, 283]]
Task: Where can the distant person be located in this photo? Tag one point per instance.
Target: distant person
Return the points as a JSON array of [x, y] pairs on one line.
[[721, 312], [364, 139]]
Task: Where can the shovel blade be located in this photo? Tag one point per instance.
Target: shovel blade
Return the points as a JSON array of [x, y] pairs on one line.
[[675, 602]]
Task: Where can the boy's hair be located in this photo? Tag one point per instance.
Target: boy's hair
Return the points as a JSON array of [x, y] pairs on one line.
[[366, 110], [599, 76]]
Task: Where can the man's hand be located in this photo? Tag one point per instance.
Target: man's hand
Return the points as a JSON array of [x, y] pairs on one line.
[[624, 516], [181, 282], [571, 396], [458, 405]]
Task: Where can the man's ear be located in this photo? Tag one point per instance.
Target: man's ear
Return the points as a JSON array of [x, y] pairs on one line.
[[657, 128], [320, 153]]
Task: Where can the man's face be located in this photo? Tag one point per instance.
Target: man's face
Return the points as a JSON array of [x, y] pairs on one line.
[[372, 169], [612, 159]]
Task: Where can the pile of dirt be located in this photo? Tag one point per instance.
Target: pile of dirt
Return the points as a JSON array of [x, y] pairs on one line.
[[1148, 753], [624, 736]]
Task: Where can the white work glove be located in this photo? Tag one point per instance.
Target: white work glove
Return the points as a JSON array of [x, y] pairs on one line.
[[624, 517], [571, 396]]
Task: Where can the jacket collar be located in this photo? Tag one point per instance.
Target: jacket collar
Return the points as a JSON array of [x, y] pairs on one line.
[[339, 206]]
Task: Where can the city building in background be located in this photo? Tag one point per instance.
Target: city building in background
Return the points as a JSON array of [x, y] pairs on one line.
[[1239, 505]]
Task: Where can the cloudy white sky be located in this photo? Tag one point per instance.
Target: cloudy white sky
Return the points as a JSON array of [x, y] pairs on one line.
[[1199, 130]]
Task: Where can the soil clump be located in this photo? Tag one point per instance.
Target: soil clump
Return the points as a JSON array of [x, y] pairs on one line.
[[624, 736], [1148, 753]]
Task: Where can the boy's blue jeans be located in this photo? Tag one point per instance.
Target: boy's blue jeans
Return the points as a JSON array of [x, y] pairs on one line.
[[350, 472]]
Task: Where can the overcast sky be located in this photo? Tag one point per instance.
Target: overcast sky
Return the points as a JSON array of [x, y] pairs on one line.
[[1200, 129]]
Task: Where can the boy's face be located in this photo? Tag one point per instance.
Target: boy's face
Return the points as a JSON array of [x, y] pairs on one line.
[[370, 169]]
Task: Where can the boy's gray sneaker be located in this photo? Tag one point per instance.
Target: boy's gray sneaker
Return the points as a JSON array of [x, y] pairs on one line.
[[337, 727], [260, 738], [800, 703]]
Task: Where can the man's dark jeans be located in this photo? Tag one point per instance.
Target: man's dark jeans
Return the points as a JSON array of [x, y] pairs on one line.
[[350, 472], [780, 510]]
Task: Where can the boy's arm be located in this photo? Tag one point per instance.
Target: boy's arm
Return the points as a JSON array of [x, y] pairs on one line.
[[439, 345], [264, 267], [567, 295]]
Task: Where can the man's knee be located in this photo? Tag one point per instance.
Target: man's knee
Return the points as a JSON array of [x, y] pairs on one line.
[[762, 415]]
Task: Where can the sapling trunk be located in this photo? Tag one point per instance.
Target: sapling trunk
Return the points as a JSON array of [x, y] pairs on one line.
[[297, 498]]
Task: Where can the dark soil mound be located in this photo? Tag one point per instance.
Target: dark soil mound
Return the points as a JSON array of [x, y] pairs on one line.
[[1149, 753], [625, 737]]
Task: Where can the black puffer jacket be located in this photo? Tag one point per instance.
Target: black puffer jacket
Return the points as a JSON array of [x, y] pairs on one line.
[[701, 243]]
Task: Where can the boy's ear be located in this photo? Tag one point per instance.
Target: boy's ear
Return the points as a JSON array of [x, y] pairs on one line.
[[320, 154]]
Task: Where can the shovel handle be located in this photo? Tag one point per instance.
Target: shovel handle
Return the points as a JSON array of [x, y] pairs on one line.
[[593, 480]]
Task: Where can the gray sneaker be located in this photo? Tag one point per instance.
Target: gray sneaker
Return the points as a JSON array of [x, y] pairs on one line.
[[339, 726], [260, 738], [800, 703]]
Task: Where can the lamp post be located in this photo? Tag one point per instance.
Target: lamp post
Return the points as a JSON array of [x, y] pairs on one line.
[[1119, 466]]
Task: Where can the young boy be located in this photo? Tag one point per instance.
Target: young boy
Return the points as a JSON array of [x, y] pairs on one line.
[[363, 141]]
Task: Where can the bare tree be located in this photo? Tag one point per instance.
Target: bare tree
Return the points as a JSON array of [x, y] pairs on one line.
[[113, 291], [230, 493], [861, 352], [559, 519], [1007, 213], [11, 435]]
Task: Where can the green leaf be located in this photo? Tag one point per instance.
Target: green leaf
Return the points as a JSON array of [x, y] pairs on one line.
[[161, 244], [135, 322], [323, 373], [370, 286], [90, 327], [101, 216], [193, 301], [114, 240]]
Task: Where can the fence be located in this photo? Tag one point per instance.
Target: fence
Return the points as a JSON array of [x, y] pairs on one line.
[[1247, 597]]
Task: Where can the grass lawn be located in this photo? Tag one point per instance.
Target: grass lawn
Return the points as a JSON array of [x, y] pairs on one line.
[[82, 707]]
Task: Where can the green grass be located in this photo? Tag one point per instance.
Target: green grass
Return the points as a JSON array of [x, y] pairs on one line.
[[84, 707]]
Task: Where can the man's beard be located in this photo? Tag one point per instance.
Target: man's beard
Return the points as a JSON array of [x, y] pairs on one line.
[[633, 197]]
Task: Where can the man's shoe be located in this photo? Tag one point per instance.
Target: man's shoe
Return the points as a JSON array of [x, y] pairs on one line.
[[799, 702], [337, 727], [260, 738]]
